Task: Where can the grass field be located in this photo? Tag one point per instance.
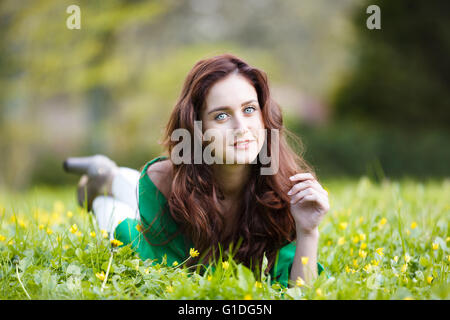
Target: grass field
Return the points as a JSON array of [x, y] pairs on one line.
[[378, 241]]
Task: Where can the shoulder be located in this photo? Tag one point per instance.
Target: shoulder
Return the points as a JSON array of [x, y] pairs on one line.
[[161, 173]]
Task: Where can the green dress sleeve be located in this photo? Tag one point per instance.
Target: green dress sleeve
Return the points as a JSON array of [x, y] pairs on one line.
[[281, 270]]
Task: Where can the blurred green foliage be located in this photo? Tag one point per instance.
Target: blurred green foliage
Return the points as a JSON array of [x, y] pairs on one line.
[[349, 148], [401, 75]]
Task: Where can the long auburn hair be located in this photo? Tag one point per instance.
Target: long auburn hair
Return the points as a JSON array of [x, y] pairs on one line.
[[265, 223]]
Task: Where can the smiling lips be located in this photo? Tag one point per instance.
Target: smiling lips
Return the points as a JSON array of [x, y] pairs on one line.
[[242, 144]]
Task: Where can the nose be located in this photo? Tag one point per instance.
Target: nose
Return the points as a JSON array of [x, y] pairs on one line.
[[240, 125]]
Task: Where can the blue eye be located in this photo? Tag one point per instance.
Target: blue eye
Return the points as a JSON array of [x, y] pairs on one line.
[[250, 108], [220, 114]]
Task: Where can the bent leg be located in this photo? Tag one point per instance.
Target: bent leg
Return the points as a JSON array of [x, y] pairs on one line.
[[109, 212], [125, 187]]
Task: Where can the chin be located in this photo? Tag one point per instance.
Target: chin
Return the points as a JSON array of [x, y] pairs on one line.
[[241, 156]]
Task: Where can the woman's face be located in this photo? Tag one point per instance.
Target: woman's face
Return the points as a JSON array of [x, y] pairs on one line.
[[232, 114]]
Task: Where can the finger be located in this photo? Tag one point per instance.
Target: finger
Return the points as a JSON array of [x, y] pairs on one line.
[[301, 176], [305, 184], [320, 200], [299, 195], [307, 192]]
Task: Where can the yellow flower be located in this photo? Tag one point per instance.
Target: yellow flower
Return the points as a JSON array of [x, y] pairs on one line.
[[447, 239], [299, 282], [408, 232], [193, 253], [175, 263], [347, 269], [92, 234], [100, 275], [49, 231], [380, 251], [396, 258], [361, 219], [383, 221], [139, 228], [11, 242], [407, 258], [367, 268], [435, 246], [258, 284], [362, 236], [305, 260], [408, 298], [351, 251], [343, 225], [429, 279], [104, 233], [329, 243], [116, 243], [225, 265], [22, 223], [209, 277], [341, 241], [147, 270], [2, 238], [169, 289], [362, 254], [66, 246], [355, 263], [375, 262], [363, 245], [248, 297], [355, 239], [404, 267], [69, 214], [73, 228], [78, 233], [41, 227], [319, 292], [413, 225], [448, 258]]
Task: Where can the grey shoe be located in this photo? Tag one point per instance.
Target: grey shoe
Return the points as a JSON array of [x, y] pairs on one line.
[[97, 174]]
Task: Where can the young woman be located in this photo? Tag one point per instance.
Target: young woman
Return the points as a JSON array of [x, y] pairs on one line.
[[173, 205]]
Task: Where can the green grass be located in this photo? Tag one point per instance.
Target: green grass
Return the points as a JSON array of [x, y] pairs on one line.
[[43, 256]]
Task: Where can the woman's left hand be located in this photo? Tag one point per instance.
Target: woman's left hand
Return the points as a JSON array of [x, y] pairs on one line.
[[309, 202]]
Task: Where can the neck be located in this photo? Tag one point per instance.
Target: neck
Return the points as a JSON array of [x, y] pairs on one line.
[[232, 178]]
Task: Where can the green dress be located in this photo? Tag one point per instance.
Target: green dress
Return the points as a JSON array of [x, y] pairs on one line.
[[154, 211]]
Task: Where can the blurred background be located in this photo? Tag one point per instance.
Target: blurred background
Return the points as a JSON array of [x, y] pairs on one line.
[[364, 102]]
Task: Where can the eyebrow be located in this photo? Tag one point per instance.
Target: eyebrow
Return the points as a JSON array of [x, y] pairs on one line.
[[226, 107]]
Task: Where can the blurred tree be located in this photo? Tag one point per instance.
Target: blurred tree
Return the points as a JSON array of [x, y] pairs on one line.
[[401, 76]]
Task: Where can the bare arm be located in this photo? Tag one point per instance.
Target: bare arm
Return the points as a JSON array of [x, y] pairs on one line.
[[309, 203], [307, 249]]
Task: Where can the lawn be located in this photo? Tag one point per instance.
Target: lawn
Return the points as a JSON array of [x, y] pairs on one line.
[[378, 241]]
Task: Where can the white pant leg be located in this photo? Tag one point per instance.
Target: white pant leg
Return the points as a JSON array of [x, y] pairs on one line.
[[110, 211], [125, 187]]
